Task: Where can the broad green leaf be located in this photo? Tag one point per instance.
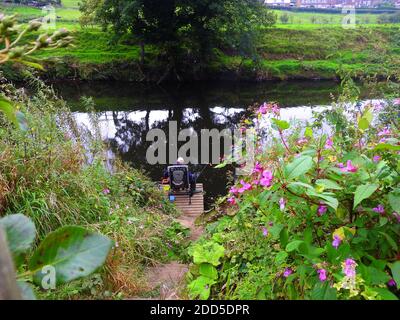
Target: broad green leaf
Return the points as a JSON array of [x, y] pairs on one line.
[[387, 146], [280, 124], [328, 184], [390, 240], [364, 192], [395, 268], [323, 291], [363, 124], [208, 252], [26, 290], [281, 257], [394, 200], [208, 270], [200, 287], [31, 64], [298, 167], [294, 245], [308, 132], [385, 294], [328, 199], [72, 251], [13, 115], [20, 232]]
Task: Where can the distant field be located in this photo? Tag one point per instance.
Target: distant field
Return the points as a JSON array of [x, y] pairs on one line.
[[317, 19]]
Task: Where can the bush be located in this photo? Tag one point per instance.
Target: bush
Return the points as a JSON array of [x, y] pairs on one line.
[[319, 216]]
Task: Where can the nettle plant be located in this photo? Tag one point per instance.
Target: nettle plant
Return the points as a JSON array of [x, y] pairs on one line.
[[319, 217]]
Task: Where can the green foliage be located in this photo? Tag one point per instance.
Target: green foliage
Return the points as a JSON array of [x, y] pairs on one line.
[[326, 225], [73, 252]]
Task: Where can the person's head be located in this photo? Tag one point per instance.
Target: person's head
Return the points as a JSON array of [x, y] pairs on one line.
[[180, 161]]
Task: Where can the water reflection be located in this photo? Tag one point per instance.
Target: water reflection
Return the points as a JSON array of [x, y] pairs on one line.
[[128, 111]]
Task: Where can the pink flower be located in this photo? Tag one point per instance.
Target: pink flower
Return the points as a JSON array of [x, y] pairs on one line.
[[329, 143], [349, 167], [263, 108], [234, 190], [257, 168], [384, 132], [349, 268], [256, 182], [336, 241], [322, 209], [392, 283], [275, 109], [322, 274], [282, 204], [287, 272], [302, 141], [376, 158], [106, 191], [379, 209], [232, 200], [396, 101], [264, 231], [266, 179], [397, 216], [377, 106], [245, 186]]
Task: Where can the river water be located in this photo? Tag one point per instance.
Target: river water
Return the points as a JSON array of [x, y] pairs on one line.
[[127, 111]]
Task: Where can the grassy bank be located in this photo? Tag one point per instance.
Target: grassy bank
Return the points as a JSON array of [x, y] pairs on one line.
[[299, 49], [56, 175]]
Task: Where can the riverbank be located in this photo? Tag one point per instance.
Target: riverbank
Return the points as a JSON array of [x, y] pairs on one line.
[[285, 54]]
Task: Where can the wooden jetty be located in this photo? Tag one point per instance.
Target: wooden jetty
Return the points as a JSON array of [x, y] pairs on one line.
[[187, 206]]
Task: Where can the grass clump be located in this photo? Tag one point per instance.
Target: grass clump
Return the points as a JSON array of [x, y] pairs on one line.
[[56, 174]]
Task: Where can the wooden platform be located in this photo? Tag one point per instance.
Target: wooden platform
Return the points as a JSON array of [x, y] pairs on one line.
[[182, 201]]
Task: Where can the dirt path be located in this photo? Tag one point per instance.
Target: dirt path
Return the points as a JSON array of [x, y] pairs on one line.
[[169, 278]]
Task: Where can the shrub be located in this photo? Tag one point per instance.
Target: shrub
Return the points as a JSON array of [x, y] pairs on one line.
[[318, 218]]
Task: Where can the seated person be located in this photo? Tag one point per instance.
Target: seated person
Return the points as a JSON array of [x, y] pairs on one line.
[[192, 177]]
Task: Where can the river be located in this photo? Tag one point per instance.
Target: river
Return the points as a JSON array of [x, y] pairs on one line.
[[128, 110]]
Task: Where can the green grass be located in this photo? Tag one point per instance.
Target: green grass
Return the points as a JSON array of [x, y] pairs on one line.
[[317, 19]]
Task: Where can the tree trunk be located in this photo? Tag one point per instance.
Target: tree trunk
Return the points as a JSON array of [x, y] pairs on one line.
[[8, 285]]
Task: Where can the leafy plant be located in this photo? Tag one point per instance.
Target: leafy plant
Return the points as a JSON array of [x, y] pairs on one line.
[[318, 218], [66, 254]]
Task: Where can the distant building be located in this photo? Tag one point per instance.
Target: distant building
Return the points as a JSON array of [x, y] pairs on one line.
[[326, 3]]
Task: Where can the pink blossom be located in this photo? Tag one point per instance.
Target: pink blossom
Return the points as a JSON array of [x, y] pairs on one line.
[[256, 182], [234, 190], [379, 209], [376, 158], [377, 106], [322, 274], [336, 241], [397, 216], [245, 186], [349, 167], [302, 140], [106, 191], [263, 108], [232, 200], [329, 143], [257, 168], [322, 209], [287, 272], [275, 109], [282, 204], [396, 101], [384, 132], [349, 268], [266, 179], [264, 231], [392, 283]]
